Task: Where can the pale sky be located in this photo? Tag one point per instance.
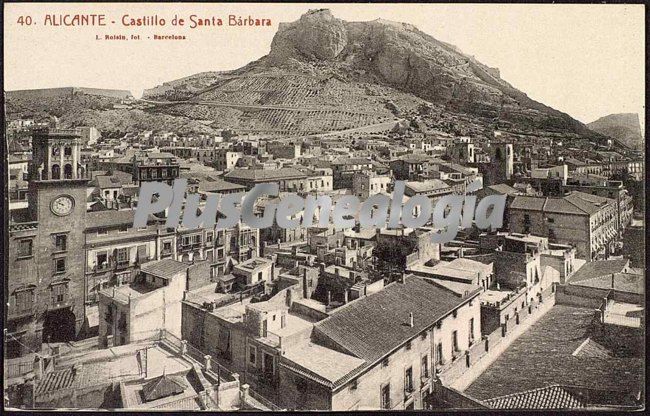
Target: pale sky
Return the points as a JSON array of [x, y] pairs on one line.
[[585, 60]]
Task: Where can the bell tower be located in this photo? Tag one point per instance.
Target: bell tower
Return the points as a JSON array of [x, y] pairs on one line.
[[57, 203]]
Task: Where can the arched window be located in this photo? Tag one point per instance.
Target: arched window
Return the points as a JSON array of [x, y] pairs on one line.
[[56, 172], [56, 151], [67, 171]]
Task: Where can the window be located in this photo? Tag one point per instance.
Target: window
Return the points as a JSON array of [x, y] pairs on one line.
[[425, 366], [25, 248], [208, 237], [154, 174], [384, 363], [102, 231], [102, 259], [408, 381], [454, 341], [252, 355], [122, 256], [61, 242], [59, 292], [24, 299], [59, 265], [67, 151], [385, 396], [471, 330], [354, 385], [439, 358], [408, 346]]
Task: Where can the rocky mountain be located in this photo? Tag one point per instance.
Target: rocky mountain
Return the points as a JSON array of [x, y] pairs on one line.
[[624, 127], [325, 74], [324, 63]]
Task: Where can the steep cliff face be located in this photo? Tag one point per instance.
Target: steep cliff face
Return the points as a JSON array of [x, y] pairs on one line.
[[400, 55], [316, 35], [624, 127]]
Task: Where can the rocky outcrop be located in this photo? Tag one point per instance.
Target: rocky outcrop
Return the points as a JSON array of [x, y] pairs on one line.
[[624, 127], [317, 35], [403, 57]]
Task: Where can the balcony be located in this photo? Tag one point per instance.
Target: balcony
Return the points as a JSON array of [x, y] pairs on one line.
[[408, 392], [123, 264], [55, 303], [104, 267]]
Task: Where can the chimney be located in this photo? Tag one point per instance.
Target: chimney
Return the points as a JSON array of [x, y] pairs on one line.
[[346, 297], [411, 319], [336, 271], [329, 297], [612, 280]]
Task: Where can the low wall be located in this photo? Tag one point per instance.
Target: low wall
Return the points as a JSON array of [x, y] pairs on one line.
[[482, 347]]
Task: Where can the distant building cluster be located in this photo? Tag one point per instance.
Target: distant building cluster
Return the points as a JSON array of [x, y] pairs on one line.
[[104, 315]]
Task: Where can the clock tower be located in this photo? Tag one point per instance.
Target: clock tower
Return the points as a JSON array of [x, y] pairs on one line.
[[57, 203]]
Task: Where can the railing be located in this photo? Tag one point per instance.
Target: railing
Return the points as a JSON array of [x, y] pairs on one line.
[[24, 226], [18, 369], [630, 321]]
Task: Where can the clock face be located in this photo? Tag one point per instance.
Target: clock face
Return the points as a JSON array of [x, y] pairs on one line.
[[62, 205]]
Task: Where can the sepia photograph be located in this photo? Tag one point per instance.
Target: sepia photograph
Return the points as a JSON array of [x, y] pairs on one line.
[[266, 207]]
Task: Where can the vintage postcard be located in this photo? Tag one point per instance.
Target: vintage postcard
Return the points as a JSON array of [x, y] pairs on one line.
[[330, 207]]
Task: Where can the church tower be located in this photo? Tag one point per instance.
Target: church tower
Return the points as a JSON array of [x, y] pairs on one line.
[[57, 203]]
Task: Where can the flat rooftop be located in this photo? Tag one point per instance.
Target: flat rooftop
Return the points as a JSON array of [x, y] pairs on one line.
[[494, 296]]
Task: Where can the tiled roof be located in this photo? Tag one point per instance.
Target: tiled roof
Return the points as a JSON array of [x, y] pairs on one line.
[[373, 326], [528, 203], [164, 268], [624, 282], [552, 397], [218, 185], [412, 158], [264, 175], [162, 386], [104, 182], [559, 397], [543, 356], [503, 189], [576, 203], [102, 219], [594, 269], [427, 185]]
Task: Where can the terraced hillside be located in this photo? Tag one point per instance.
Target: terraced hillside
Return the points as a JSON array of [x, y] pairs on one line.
[[298, 104]]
